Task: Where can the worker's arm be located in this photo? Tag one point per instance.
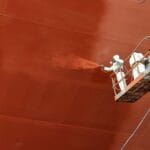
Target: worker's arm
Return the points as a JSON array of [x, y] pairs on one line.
[[108, 69], [141, 58], [146, 60]]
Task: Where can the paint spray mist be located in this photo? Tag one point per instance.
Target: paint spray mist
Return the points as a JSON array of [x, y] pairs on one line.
[[72, 62]]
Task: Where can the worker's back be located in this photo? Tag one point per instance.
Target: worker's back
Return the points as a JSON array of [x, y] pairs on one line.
[[135, 57]]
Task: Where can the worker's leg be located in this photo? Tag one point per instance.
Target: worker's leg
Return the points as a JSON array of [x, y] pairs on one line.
[[121, 80], [140, 68]]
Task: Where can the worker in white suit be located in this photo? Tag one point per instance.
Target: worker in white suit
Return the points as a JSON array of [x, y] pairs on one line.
[[117, 68], [137, 64]]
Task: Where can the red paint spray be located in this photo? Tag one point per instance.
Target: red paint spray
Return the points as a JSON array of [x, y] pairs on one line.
[[72, 62]]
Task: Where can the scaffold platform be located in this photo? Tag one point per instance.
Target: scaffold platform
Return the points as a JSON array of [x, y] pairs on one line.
[[136, 89]]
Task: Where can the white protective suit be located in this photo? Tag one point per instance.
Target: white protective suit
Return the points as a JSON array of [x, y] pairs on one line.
[[117, 67], [136, 64]]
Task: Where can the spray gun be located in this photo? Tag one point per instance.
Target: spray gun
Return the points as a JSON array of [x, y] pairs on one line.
[[102, 68]]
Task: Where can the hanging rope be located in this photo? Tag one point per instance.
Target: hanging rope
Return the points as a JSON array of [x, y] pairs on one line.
[[134, 50], [135, 130]]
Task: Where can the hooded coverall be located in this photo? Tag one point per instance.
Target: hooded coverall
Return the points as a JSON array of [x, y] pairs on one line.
[[117, 68], [136, 64]]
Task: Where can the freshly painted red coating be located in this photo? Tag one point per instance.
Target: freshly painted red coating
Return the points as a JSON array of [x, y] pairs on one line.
[[52, 94]]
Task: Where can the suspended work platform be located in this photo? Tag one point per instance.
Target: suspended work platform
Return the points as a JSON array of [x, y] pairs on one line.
[[136, 89]]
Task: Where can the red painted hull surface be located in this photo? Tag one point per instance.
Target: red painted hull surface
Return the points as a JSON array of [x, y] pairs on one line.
[[52, 95]]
